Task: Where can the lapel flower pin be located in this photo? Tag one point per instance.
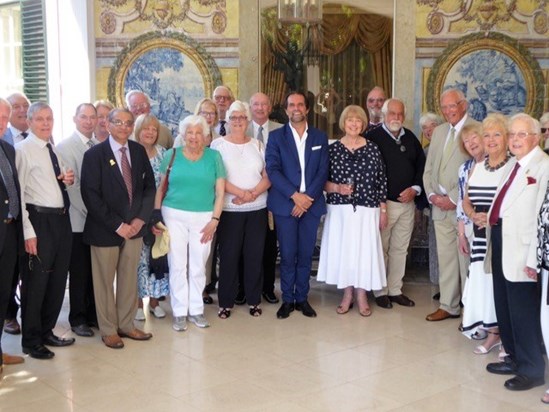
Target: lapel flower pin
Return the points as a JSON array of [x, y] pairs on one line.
[[531, 180], [112, 162]]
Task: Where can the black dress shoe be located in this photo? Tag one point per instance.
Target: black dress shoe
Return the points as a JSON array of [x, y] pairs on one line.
[[52, 340], [207, 299], [507, 367], [402, 300], [83, 330], [38, 352], [270, 297], [523, 383], [384, 302], [240, 298], [436, 296], [285, 310], [306, 309]]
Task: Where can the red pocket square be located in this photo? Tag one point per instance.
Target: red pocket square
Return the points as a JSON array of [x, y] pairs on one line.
[[531, 180]]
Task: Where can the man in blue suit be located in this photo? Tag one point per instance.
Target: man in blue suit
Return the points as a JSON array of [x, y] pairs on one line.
[[297, 165]]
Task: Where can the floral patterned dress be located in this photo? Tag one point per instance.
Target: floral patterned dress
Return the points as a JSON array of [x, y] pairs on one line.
[[147, 284]]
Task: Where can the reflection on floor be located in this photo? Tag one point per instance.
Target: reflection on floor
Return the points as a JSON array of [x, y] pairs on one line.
[[392, 361]]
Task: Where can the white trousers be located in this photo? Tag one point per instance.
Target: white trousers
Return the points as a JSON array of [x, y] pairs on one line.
[[187, 259]]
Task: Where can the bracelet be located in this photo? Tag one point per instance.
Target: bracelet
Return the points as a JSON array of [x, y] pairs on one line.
[[215, 218]]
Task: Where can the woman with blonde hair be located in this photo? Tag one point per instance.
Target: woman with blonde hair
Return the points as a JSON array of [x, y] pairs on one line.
[[151, 285]]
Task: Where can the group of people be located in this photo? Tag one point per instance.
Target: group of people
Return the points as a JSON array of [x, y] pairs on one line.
[[234, 186]]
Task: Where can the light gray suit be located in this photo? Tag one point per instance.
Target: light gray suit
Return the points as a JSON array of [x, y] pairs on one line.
[[270, 127], [452, 265], [72, 152]]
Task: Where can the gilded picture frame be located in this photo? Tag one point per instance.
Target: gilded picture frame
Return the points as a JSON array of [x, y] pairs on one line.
[[495, 72], [171, 68]]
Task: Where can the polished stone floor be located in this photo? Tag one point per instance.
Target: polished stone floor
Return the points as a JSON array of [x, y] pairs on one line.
[[392, 361]]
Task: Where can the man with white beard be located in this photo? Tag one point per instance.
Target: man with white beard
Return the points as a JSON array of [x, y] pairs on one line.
[[404, 162]]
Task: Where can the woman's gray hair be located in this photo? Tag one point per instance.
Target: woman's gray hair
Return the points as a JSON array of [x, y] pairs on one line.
[[544, 118], [238, 106], [430, 117], [193, 120]]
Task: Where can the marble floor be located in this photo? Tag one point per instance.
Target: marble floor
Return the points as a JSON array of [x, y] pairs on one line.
[[392, 361]]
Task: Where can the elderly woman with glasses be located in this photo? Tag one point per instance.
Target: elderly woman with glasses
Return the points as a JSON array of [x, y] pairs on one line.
[[191, 205], [544, 122], [243, 224]]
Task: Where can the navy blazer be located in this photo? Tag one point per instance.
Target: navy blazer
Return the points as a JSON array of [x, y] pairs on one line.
[[106, 197], [4, 199], [284, 171]]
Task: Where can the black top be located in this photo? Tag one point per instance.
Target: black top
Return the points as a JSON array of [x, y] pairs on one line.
[[404, 162], [365, 166]]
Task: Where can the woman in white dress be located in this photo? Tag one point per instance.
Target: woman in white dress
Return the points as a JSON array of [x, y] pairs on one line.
[[478, 297], [351, 255]]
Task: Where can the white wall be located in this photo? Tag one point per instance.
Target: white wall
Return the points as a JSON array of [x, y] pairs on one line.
[[69, 26]]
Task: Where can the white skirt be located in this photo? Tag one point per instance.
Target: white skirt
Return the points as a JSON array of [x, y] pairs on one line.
[[351, 252], [479, 310]]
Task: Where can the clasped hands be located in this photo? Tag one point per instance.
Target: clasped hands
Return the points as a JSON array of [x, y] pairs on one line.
[[246, 196], [302, 203], [442, 202], [127, 231]]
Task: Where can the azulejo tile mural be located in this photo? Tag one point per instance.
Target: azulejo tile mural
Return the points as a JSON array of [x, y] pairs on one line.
[[169, 67]]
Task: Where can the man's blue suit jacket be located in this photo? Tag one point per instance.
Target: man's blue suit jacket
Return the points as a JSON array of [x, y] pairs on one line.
[[284, 171]]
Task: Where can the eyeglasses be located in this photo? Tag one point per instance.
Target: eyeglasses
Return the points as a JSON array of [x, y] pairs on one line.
[[218, 98], [207, 114], [520, 135], [544, 130], [24, 107], [452, 106], [238, 118], [120, 123], [140, 106], [378, 100]]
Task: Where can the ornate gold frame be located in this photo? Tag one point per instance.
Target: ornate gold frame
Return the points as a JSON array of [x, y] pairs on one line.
[[143, 44], [520, 55]]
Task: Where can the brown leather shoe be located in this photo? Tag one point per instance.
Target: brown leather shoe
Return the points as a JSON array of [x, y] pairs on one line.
[[12, 327], [440, 314], [135, 334], [12, 359], [113, 341]]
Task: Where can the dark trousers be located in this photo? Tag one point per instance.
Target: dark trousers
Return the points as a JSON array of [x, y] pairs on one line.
[[296, 240], [8, 258], [270, 252], [82, 301], [517, 311], [241, 234], [13, 306], [44, 276]]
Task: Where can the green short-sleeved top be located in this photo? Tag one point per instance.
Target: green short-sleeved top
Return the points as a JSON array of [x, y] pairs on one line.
[[191, 186]]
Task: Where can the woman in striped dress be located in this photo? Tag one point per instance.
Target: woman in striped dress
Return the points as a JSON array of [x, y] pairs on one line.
[[478, 296]]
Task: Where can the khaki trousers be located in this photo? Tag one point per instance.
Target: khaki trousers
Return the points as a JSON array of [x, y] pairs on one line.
[[116, 313], [453, 266], [396, 239]]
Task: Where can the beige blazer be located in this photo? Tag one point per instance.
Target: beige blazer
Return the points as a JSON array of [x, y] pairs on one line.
[[520, 215], [271, 125], [437, 174]]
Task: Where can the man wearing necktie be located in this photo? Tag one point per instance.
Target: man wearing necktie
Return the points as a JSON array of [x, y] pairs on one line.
[[223, 97], [440, 180], [118, 189], [47, 233], [260, 127], [82, 313], [11, 235], [17, 130], [512, 256]]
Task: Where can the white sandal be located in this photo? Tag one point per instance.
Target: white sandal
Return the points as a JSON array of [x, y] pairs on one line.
[[481, 350]]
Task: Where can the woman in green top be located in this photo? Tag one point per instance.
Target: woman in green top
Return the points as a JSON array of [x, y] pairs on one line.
[[191, 208]]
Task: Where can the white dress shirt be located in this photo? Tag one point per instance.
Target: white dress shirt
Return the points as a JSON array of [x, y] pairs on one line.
[[300, 144]]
